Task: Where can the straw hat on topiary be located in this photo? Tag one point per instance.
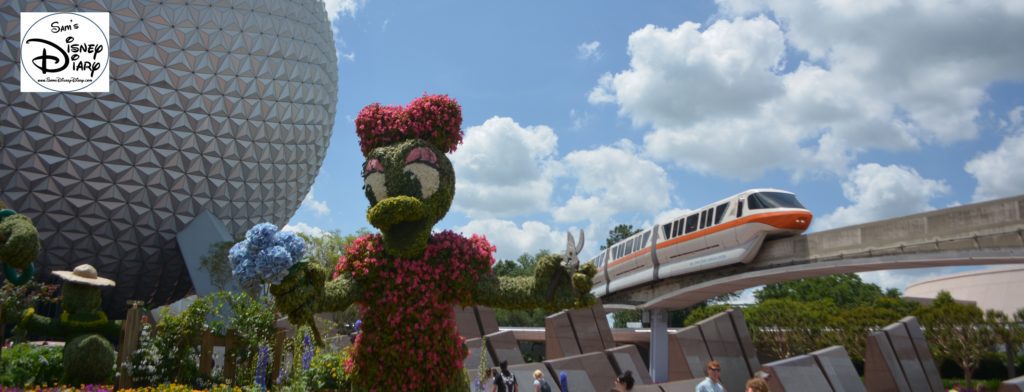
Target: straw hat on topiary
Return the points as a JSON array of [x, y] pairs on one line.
[[84, 274]]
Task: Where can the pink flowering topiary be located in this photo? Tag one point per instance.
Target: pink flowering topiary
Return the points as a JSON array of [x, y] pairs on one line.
[[406, 279], [412, 325], [433, 118]]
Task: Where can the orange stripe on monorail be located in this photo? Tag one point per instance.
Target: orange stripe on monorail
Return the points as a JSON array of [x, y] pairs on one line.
[[782, 220]]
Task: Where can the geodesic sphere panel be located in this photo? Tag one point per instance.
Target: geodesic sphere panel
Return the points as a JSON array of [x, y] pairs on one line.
[[218, 105]]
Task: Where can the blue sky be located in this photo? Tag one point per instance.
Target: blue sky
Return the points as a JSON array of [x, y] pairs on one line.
[[587, 114]]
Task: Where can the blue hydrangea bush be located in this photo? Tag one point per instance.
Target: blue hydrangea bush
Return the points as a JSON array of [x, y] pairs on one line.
[[265, 255]]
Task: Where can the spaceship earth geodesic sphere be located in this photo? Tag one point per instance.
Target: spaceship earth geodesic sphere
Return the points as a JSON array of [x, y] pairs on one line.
[[218, 105]]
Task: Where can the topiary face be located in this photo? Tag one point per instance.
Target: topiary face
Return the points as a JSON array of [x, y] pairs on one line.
[[80, 298], [410, 186]]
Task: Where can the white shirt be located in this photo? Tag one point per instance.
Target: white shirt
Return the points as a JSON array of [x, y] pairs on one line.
[[710, 386]]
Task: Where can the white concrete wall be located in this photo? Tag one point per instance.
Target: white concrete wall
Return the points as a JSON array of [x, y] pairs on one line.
[[1000, 288]]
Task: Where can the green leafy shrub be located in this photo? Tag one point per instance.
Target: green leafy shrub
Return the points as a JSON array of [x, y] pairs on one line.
[[26, 365], [170, 352], [16, 299], [327, 371], [253, 324]]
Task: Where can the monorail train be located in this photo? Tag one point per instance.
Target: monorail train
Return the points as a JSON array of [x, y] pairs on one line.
[[726, 232]]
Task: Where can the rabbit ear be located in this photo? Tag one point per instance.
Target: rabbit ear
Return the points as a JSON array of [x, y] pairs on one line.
[[579, 247], [570, 245]]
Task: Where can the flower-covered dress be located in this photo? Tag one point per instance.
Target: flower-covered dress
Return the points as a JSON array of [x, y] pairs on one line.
[[409, 340]]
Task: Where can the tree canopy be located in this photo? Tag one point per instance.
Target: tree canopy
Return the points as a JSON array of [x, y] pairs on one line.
[[619, 233], [957, 332], [804, 315], [844, 290]]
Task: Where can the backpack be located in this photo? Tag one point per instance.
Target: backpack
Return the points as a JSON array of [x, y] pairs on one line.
[[544, 387], [505, 382], [508, 381]]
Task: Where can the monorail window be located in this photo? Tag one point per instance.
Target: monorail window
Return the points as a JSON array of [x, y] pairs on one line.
[[703, 218], [629, 247], [691, 223], [739, 209], [647, 236], [710, 216], [677, 228], [720, 212], [761, 200]]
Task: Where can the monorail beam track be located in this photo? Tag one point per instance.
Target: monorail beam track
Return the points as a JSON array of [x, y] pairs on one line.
[[976, 234]]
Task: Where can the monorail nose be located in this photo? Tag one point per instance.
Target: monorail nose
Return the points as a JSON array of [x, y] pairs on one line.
[[798, 221], [789, 220]]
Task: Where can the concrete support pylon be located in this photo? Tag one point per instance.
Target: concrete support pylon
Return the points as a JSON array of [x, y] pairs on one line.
[[659, 344]]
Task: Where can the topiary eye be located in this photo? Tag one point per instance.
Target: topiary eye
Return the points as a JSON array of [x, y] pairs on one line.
[[374, 180], [421, 155], [421, 165], [372, 166]]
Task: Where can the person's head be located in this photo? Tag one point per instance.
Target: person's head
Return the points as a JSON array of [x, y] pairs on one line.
[[625, 381], [504, 366], [537, 374], [714, 370], [757, 384]]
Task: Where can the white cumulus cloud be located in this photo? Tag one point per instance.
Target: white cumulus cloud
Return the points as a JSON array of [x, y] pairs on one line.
[[589, 50], [610, 180], [504, 168], [304, 228], [998, 172], [880, 192], [339, 8], [508, 171], [512, 240], [684, 75], [890, 75], [318, 206]]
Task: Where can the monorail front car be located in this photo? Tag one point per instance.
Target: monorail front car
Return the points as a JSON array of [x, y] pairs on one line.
[[727, 232]]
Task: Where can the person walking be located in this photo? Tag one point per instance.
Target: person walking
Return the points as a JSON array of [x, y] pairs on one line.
[[539, 383], [713, 382], [757, 384], [505, 381], [624, 382]]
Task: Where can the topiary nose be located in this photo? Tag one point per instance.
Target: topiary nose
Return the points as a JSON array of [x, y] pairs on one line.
[[395, 210]]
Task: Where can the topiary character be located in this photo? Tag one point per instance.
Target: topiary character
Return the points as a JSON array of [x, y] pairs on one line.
[[405, 279], [19, 245], [88, 355]]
